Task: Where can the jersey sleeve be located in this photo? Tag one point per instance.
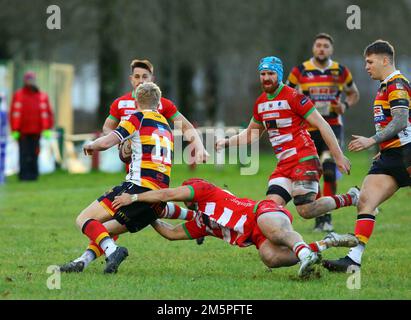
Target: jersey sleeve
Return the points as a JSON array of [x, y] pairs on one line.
[[398, 93], [256, 116], [195, 228], [201, 190], [347, 78], [114, 112], [168, 109], [126, 128], [302, 105], [292, 80]]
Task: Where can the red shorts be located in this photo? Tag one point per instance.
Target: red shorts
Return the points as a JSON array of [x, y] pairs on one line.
[[265, 206], [309, 170]]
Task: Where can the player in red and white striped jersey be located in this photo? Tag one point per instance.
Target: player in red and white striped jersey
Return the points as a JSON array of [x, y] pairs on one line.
[[141, 72], [238, 221], [284, 113]]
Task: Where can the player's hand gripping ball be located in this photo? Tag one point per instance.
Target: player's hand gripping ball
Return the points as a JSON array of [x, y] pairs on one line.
[[124, 151]]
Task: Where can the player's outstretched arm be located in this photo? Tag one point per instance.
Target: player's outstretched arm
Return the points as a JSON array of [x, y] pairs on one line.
[[109, 125], [101, 144], [169, 231], [191, 134], [247, 136], [182, 193], [398, 123], [316, 120]]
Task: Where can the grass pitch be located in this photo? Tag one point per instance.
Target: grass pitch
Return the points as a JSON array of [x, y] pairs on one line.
[[37, 230]]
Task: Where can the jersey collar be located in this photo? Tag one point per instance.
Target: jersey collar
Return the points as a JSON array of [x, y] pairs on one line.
[[330, 62], [396, 72], [276, 92]]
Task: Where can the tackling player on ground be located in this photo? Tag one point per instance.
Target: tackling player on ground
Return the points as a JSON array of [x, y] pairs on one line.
[[239, 221], [150, 169], [323, 81], [283, 112], [392, 168]]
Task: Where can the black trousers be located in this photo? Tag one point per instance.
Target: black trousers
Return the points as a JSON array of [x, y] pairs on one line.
[[29, 149]]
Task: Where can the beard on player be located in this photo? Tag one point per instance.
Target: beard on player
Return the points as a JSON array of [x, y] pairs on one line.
[[269, 86]]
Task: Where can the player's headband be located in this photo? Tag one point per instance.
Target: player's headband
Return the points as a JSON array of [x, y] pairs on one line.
[[272, 64]]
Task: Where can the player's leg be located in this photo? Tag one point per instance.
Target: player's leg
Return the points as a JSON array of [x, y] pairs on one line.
[[304, 195], [329, 174], [91, 222], [321, 147], [93, 250], [279, 188], [276, 227], [305, 177], [276, 256], [329, 187], [375, 190]]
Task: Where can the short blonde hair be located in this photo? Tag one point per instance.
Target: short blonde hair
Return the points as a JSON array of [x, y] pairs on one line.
[[148, 95]]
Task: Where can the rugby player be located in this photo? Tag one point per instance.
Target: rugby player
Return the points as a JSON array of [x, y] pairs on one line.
[[239, 221], [284, 112], [391, 170], [324, 81], [150, 168], [143, 71]]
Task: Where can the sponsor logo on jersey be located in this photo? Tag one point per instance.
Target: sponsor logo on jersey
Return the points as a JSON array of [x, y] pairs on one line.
[[273, 106], [323, 93], [161, 167], [378, 114], [129, 112], [273, 133], [303, 101], [270, 115], [122, 104], [399, 86], [161, 128]]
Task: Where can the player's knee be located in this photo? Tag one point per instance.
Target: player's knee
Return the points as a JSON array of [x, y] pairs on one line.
[[80, 221], [304, 204], [329, 170]]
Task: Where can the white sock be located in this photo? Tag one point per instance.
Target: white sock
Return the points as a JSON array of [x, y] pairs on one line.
[[321, 245], [302, 250], [108, 245], [356, 253], [86, 257]]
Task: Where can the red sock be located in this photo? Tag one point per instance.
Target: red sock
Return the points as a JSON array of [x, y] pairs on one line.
[[364, 227], [342, 200], [95, 231], [329, 188], [96, 248], [314, 247]]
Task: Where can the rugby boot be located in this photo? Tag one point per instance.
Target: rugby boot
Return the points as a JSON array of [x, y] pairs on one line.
[[114, 260], [73, 266], [340, 265]]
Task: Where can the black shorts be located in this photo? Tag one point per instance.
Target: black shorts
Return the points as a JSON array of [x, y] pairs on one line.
[[319, 142], [395, 162], [135, 216]]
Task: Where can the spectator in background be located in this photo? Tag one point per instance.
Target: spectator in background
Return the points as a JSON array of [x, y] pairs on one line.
[[30, 117]]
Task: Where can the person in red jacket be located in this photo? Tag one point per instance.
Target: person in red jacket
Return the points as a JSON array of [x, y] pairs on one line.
[[30, 116]]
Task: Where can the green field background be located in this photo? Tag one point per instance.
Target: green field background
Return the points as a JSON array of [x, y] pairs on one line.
[[37, 230]]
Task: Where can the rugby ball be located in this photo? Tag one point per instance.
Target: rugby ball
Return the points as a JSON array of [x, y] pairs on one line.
[[124, 151]]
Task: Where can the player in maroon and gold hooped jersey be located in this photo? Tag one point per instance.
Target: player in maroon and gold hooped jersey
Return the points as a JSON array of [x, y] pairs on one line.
[[391, 169], [324, 81]]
